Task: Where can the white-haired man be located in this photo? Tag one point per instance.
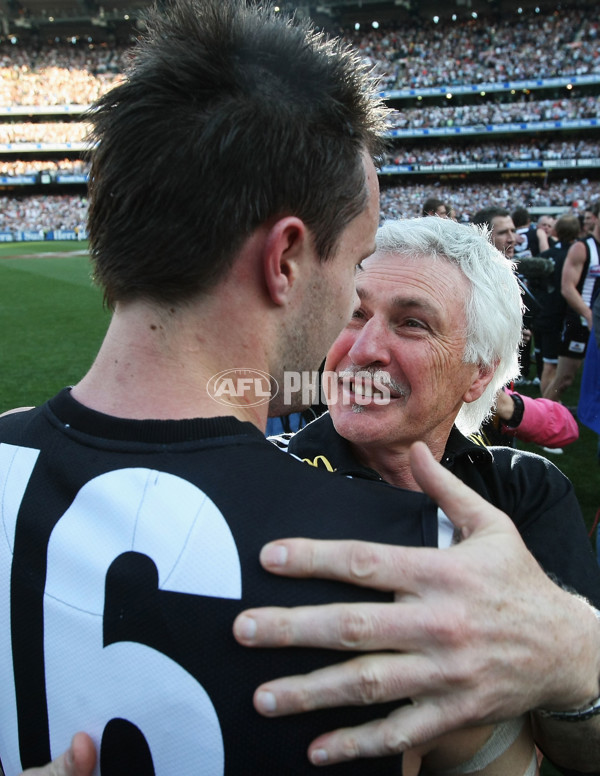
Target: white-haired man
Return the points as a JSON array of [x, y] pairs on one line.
[[435, 336]]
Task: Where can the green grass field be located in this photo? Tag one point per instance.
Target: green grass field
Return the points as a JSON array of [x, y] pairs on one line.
[[52, 322], [51, 318]]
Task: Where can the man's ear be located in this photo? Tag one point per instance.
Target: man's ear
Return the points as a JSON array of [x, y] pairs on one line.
[[481, 380], [285, 248]]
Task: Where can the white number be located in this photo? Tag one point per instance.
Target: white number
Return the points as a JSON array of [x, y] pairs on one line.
[[88, 684]]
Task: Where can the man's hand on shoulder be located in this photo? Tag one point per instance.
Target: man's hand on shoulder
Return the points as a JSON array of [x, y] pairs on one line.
[[477, 632]]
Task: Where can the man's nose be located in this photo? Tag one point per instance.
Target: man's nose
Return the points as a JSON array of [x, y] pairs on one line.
[[371, 346]]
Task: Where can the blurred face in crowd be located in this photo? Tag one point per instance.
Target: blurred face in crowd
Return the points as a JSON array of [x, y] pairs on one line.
[[547, 224], [410, 324], [504, 235], [589, 222], [442, 211]]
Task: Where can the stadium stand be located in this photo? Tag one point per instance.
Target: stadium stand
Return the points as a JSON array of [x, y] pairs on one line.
[[497, 107]]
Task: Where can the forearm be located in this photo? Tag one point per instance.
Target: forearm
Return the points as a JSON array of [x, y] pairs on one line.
[[574, 744], [541, 421], [543, 241], [575, 301]]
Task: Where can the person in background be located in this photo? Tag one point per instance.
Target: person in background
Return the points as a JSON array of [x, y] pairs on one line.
[[580, 276], [549, 321], [588, 408], [435, 207], [545, 232], [528, 245], [504, 237], [519, 417], [590, 219]]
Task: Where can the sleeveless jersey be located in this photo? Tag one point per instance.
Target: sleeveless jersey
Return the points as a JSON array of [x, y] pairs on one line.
[[591, 270]]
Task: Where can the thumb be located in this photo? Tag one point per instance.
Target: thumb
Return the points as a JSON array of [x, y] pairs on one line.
[[78, 760], [81, 756], [466, 509]]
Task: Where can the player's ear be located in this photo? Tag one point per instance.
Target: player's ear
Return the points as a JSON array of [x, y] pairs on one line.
[[285, 256], [481, 379]]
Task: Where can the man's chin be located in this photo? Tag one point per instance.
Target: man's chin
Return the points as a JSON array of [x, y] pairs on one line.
[[354, 421]]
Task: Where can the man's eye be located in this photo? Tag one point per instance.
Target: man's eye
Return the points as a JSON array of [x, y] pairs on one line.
[[358, 314], [414, 324]]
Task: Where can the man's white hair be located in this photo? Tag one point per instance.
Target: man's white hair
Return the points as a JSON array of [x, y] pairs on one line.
[[494, 309]]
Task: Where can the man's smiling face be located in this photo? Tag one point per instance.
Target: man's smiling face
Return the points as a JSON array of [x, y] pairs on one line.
[[411, 324]]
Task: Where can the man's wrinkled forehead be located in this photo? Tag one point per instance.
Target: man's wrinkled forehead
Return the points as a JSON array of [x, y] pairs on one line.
[[377, 268], [371, 261]]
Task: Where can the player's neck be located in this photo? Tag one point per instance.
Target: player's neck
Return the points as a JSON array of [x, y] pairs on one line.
[[149, 367]]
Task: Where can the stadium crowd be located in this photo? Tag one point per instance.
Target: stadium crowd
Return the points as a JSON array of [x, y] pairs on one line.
[[46, 212], [34, 166], [43, 213], [57, 75], [523, 110], [430, 154], [465, 199], [425, 117], [525, 149], [43, 132], [425, 54], [422, 54]]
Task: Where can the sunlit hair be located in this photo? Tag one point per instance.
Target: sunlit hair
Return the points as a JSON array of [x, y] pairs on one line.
[[493, 309], [230, 115]]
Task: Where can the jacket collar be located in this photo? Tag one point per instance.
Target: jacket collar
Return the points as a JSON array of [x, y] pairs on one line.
[[319, 445]]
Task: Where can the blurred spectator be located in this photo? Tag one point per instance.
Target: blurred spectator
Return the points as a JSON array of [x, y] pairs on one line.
[[590, 219], [545, 232], [43, 132], [528, 244], [580, 281], [435, 207], [32, 166], [58, 75], [549, 321]]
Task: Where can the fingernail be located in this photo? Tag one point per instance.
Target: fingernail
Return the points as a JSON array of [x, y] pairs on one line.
[[318, 757], [265, 702], [274, 555], [245, 628]]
